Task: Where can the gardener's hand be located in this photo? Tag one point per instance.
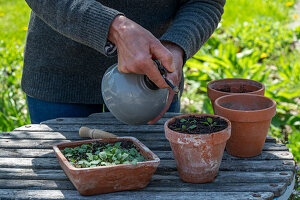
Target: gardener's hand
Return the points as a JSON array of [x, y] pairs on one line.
[[136, 49], [175, 77], [177, 54]]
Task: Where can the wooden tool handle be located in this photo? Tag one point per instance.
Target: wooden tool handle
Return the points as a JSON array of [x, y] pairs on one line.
[[95, 133]]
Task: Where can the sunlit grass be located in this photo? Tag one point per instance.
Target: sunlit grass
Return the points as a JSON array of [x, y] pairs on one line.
[[14, 17], [240, 11]]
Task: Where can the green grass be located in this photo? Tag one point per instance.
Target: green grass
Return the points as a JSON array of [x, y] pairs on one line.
[[240, 11], [14, 17]]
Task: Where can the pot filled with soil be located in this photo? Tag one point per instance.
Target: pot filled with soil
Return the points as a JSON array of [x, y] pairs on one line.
[[197, 142], [250, 116], [222, 87], [107, 165]]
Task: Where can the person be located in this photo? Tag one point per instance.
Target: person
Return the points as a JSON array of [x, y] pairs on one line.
[[71, 43]]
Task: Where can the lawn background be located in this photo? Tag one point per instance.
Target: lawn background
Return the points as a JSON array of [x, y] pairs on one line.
[[254, 40]]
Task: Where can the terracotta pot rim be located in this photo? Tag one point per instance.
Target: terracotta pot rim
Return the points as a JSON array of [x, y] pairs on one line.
[[245, 111], [207, 135], [209, 85], [56, 148]]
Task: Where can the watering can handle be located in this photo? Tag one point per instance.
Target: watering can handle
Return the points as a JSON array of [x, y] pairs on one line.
[[172, 91], [163, 72]]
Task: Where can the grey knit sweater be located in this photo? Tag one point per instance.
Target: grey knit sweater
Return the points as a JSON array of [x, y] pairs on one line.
[[65, 57]]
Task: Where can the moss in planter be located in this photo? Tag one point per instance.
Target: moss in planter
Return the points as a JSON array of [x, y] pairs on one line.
[[198, 125], [103, 154]]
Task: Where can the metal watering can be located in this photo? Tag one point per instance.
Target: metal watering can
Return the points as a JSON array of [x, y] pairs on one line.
[[133, 98]]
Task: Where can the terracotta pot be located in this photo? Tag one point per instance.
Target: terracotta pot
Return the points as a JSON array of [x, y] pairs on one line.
[[250, 116], [105, 179], [197, 156], [235, 85]]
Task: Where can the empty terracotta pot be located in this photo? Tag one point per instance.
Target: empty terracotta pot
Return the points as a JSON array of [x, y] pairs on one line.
[[222, 87], [198, 156], [105, 179], [250, 116]]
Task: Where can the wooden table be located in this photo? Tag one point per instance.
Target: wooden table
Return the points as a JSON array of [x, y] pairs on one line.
[[29, 168]]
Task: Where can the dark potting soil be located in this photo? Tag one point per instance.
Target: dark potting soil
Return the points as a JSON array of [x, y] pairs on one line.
[[227, 88], [198, 125], [237, 106], [252, 106], [124, 144]]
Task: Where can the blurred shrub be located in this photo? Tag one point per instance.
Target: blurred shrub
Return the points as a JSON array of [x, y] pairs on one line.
[[294, 144], [13, 112], [297, 32]]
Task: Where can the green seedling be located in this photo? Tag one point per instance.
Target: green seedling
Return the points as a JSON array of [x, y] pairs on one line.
[[182, 120], [192, 127], [93, 155], [187, 127], [210, 122]]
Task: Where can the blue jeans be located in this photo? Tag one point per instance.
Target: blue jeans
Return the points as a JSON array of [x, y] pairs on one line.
[[40, 110]]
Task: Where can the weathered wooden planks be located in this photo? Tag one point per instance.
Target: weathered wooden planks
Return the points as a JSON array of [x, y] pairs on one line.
[[29, 169], [26, 153], [168, 165], [109, 115], [146, 195], [34, 174], [242, 165], [153, 145], [74, 135], [109, 128], [276, 188], [154, 186], [265, 155], [119, 129], [48, 153], [91, 121], [223, 176]]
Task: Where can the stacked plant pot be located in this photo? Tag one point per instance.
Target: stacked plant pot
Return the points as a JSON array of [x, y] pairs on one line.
[[250, 113], [229, 86]]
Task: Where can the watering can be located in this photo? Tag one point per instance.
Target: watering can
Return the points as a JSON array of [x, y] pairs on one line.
[[133, 98]]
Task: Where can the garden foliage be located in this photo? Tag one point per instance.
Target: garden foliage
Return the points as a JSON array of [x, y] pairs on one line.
[[14, 16]]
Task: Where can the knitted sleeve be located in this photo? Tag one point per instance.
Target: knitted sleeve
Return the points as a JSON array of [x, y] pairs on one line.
[[194, 23], [84, 21]]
